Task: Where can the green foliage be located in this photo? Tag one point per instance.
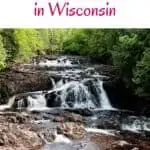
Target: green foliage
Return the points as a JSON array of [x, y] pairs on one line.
[[9, 44], [127, 49], [124, 55], [142, 75], [76, 42], [44, 37], [2, 55], [28, 41]]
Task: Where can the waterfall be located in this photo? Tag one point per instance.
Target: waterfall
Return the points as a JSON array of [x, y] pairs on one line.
[[33, 101], [76, 88], [77, 94], [105, 103], [71, 94], [37, 102]]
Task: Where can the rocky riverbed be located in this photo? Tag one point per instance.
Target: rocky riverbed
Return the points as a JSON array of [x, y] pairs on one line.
[[22, 131]]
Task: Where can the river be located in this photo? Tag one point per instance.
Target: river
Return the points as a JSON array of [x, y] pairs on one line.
[[78, 90]]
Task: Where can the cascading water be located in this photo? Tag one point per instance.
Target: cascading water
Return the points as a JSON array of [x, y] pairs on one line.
[[32, 101], [63, 61], [105, 103], [37, 102], [77, 88]]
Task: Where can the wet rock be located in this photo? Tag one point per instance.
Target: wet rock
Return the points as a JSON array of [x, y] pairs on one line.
[[72, 130], [121, 145], [83, 112], [73, 117], [135, 148], [68, 117], [3, 139], [47, 136], [59, 119], [12, 117], [53, 100], [104, 142], [131, 136], [108, 124]]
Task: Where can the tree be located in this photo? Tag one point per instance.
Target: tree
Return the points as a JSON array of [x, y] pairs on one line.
[[125, 54], [141, 76], [28, 42], [2, 54]]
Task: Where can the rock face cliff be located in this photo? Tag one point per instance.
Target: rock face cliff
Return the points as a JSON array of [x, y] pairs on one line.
[[14, 82]]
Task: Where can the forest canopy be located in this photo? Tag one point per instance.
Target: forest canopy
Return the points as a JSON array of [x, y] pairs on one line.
[[127, 49]]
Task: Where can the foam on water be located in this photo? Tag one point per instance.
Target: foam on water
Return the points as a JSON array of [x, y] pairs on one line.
[[95, 130], [61, 138], [137, 125], [147, 126]]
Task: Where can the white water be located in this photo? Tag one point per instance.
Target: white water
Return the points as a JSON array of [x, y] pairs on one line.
[[105, 103], [80, 92], [62, 139], [94, 130], [37, 103], [137, 126], [58, 62], [9, 104]]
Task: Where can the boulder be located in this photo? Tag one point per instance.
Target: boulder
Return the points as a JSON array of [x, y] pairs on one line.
[[72, 130]]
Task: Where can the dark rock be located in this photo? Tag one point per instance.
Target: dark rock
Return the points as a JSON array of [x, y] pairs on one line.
[[12, 82], [71, 117], [108, 124], [53, 100], [82, 112]]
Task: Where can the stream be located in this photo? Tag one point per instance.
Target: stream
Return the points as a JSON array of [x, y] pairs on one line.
[[78, 90]]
